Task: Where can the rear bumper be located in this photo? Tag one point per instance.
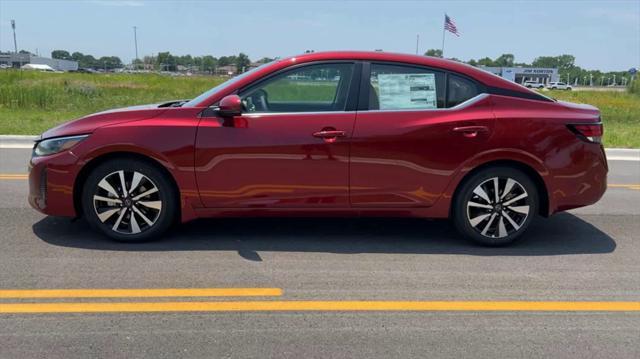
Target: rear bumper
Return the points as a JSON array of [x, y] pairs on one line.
[[51, 180], [583, 183]]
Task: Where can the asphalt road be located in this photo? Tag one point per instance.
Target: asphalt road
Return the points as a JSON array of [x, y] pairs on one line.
[[587, 255]]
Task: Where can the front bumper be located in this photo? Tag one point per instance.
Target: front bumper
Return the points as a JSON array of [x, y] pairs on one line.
[[51, 182]]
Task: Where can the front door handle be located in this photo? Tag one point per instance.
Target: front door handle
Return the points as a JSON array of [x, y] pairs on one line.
[[329, 135], [471, 131]]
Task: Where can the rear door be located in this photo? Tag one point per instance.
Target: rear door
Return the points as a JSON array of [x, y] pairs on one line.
[[289, 149], [414, 128]]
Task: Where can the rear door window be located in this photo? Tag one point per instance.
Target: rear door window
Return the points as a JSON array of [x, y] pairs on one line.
[[397, 87]]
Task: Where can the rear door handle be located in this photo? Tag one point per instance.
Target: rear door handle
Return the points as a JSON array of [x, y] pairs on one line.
[[471, 131], [329, 135]]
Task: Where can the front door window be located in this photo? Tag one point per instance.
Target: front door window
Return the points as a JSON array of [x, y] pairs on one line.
[[314, 88]]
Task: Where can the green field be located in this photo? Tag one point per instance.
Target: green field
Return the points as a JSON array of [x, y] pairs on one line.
[[620, 113], [31, 102]]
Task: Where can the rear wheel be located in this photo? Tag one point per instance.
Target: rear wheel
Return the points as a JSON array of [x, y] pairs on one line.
[[495, 206], [129, 200]]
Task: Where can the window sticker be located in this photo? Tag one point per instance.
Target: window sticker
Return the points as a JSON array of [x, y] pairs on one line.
[[407, 91]]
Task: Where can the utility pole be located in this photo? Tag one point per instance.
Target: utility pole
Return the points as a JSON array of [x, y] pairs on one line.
[[135, 40], [15, 44], [417, 42]]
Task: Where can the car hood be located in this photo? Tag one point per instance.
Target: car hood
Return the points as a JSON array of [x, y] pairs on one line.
[[90, 123]]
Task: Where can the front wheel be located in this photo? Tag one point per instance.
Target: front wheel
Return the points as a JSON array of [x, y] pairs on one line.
[[129, 200], [495, 206]]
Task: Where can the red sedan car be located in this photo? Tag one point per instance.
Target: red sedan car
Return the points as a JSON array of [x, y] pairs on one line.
[[331, 134]]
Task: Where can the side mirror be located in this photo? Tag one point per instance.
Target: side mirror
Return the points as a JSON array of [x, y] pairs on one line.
[[230, 106]]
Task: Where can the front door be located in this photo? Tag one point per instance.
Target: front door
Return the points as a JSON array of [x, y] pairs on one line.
[[288, 150]]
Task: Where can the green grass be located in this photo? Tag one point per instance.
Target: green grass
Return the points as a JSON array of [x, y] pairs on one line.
[[31, 102], [620, 113], [302, 91]]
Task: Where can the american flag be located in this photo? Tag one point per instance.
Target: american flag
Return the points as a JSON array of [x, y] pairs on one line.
[[450, 26]]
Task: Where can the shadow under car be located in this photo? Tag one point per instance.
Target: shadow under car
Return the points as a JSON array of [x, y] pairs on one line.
[[561, 234]]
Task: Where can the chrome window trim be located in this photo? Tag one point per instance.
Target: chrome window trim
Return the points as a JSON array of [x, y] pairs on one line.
[[477, 98], [260, 114]]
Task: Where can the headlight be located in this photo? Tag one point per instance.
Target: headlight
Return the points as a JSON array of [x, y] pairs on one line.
[[55, 145]]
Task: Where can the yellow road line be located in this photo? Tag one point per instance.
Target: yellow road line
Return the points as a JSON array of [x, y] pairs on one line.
[[139, 293], [11, 176], [629, 186], [274, 306]]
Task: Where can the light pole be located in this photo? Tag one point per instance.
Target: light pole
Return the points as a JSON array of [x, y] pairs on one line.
[[135, 40], [15, 44]]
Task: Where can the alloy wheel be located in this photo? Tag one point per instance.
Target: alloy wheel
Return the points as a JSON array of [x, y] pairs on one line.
[[498, 207], [128, 202]]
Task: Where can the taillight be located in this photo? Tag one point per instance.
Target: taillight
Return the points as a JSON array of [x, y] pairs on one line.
[[590, 132]]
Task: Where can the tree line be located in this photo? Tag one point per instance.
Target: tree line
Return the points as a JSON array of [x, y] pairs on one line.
[[567, 69], [165, 61]]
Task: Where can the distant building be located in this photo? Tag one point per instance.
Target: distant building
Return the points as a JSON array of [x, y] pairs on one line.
[[20, 59], [228, 70], [253, 65], [522, 74]]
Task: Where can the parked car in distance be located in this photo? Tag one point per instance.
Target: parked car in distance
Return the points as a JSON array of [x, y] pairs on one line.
[[329, 134], [533, 84], [558, 86]]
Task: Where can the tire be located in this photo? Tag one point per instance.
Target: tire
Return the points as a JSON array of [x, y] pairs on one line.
[[142, 215], [479, 217]]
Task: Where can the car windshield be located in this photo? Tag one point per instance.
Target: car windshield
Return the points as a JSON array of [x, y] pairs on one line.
[[231, 81]]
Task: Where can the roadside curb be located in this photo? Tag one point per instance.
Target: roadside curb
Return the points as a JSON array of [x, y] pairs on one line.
[[622, 154], [17, 141], [24, 141]]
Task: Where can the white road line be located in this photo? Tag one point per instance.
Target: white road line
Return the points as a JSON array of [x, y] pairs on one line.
[[16, 145]]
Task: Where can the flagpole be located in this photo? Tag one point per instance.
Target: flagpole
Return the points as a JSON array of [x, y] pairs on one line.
[[417, 42], [443, 28]]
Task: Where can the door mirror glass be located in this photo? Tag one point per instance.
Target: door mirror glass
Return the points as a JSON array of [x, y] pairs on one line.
[[230, 106]]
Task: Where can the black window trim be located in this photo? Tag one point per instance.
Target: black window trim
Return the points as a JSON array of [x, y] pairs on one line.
[[499, 91]]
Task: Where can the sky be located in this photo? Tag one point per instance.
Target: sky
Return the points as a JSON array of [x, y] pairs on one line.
[[602, 35]]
